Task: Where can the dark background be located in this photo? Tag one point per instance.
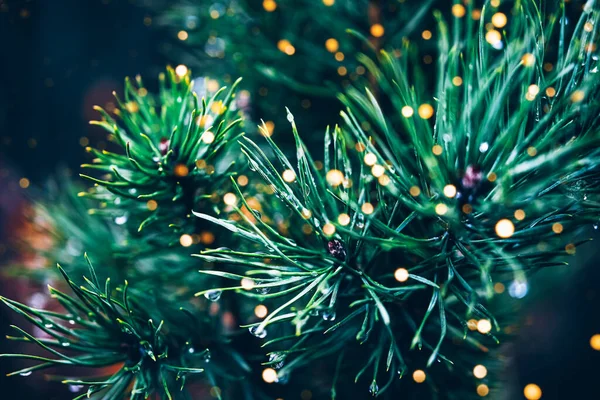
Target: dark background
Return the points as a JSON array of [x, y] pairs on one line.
[[60, 57]]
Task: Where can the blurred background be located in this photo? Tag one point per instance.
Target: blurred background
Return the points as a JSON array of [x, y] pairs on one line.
[[61, 57]]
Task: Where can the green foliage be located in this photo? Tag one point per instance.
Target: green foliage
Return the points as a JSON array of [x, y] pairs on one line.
[[280, 47], [377, 261], [112, 329], [176, 152], [436, 199]]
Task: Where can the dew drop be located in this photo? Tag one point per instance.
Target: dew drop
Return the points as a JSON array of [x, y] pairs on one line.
[[120, 220], [329, 315], [213, 295], [207, 355], [360, 221], [191, 350], [374, 389], [72, 321], [277, 360], [258, 332], [483, 147], [49, 326], [65, 344], [263, 290], [257, 214], [26, 373]]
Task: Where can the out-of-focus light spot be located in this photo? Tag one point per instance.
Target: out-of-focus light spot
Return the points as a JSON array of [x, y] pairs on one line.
[[328, 229], [480, 371], [441, 209], [181, 170], [334, 177], [437, 150], [450, 191], [289, 176], [343, 219], [208, 137], [407, 111], [230, 199], [182, 35], [528, 60], [499, 20], [484, 326], [370, 159], [557, 227], [186, 240], [269, 5], [332, 45], [519, 215], [518, 289], [505, 228], [493, 37], [483, 390], [415, 191], [377, 30], [401, 274], [260, 311], [532, 392], [247, 283], [24, 183], [181, 70], [151, 205], [425, 111], [577, 96], [285, 46], [269, 375], [367, 208], [499, 288], [458, 10], [419, 376]]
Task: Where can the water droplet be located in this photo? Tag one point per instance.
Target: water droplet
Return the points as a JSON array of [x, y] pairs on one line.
[[206, 355], [290, 117], [360, 221], [65, 344], [121, 219], [75, 388], [329, 315], [314, 312], [49, 326], [258, 332], [213, 295], [483, 147], [191, 350], [374, 389], [26, 373], [252, 166], [257, 214], [596, 225], [132, 191], [277, 360], [262, 290]]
